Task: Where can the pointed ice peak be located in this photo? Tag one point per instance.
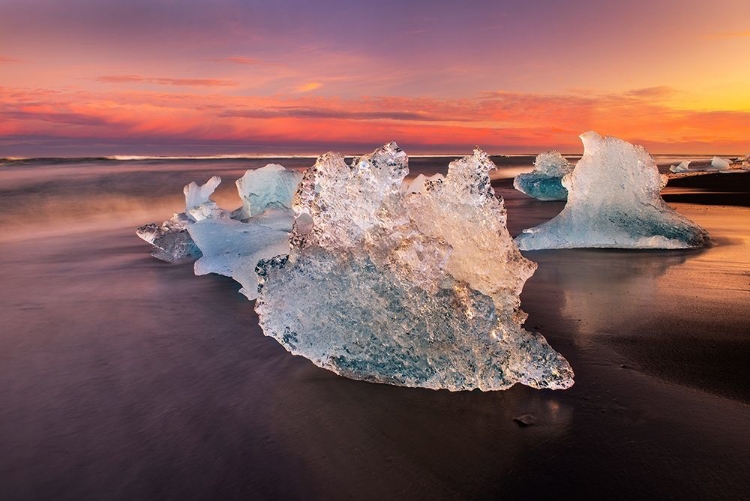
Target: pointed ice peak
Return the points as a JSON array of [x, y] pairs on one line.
[[198, 195]]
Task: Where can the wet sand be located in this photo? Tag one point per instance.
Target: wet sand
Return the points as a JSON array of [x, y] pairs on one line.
[[122, 377]]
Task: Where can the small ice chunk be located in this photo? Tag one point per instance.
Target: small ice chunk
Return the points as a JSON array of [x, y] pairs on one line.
[[681, 167], [271, 186], [171, 241], [545, 181], [614, 201], [718, 163]]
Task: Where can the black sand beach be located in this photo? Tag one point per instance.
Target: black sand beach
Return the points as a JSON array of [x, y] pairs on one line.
[[122, 377]]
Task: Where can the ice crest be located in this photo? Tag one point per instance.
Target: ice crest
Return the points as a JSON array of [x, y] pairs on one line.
[[545, 181], [271, 186], [415, 287], [614, 201]]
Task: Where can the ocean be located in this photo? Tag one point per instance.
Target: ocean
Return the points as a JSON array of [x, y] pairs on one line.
[[123, 377]]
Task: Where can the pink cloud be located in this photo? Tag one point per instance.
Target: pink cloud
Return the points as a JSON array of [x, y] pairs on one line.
[[189, 82]]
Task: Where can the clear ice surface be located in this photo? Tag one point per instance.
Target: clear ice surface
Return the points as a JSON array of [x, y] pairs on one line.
[[614, 201], [414, 287], [545, 181], [271, 186]]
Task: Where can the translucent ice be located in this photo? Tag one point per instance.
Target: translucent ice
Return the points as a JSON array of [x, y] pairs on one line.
[[219, 242], [232, 248], [271, 186], [171, 240], [718, 163], [682, 167], [545, 181], [416, 287], [614, 201]]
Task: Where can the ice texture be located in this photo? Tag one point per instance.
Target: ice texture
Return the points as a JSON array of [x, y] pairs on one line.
[[171, 240], [233, 248], [230, 243], [414, 287], [683, 166], [614, 201], [545, 181], [271, 186], [718, 163]]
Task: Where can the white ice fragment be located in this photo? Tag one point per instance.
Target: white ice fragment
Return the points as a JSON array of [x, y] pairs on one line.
[[682, 167], [271, 186], [614, 201], [198, 195], [718, 163], [414, 289], [545, 181], [232, 248]]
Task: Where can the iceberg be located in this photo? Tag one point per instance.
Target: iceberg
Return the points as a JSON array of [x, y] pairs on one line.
[[545, 181], [415, 286], [614, 201], [681, 167]]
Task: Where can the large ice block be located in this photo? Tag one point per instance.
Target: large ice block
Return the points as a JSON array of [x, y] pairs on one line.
[[415, 287], [614, 201]]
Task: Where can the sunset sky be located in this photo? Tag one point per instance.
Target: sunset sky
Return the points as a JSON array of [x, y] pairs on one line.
[[95, 77]]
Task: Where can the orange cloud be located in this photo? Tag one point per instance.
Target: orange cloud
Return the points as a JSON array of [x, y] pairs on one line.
[[500, 122], [190, 82], [309, 87]]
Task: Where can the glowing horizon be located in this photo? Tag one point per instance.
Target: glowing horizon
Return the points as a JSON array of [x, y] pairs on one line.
[[166, 78]]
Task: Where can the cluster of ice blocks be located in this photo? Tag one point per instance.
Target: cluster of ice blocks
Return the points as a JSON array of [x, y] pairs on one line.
[[414, 283], [614, 201]]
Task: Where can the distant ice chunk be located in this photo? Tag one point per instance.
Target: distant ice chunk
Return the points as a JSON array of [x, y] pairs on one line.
[[271, 186], [614, 201], [718, 163], [681, 167], [545, 181], [416, 287]]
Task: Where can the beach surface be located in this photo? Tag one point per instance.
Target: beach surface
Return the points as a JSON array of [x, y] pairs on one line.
[[122, 377]]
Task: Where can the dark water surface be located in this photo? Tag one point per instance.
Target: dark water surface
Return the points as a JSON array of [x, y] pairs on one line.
[[122, 377]]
